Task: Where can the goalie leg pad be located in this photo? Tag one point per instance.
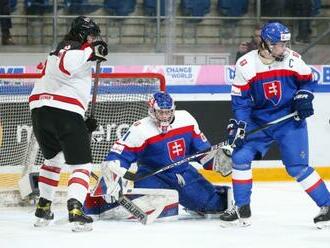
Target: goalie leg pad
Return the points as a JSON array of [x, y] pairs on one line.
[[159, 203]]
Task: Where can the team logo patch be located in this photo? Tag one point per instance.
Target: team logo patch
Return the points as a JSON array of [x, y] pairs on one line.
[[296, 54], [176, 148], [243, 62], [273, 91]]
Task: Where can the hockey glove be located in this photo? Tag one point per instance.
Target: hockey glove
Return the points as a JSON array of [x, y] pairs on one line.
[[100, 51], [91, 124], [236, 133], [113, 174], [302, 103]]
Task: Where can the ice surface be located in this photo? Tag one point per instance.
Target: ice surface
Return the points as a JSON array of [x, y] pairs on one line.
[[282, 218]]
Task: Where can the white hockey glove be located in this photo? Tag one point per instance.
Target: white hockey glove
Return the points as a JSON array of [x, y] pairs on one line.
[[113, 174]]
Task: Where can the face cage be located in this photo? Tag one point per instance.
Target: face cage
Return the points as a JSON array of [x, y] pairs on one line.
[[161, 124]]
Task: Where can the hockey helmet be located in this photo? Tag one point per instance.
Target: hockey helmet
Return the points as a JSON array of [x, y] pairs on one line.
[[83, 26], [275, 32], [161, 110], [274, 39]]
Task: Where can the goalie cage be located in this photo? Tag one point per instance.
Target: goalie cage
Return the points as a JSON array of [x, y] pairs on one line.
[[121, 100]]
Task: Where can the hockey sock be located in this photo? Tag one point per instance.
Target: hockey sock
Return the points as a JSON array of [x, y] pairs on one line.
[[242, 184], [49, 177], [315, 187], [79, 182]]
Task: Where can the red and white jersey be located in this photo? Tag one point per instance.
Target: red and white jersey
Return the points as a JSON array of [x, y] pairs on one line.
[[66, 83]]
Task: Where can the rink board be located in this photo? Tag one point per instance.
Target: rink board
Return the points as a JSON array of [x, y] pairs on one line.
[[9, 180]]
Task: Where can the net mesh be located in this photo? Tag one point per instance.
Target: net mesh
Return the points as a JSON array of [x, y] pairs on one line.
[[121, 100]]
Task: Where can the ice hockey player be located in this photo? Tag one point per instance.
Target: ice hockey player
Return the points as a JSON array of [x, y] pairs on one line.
[[272, 82], [58, 103], [165, 136]]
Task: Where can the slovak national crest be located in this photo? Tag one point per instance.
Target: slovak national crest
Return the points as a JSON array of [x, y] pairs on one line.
[[273, 91], [176, 148]]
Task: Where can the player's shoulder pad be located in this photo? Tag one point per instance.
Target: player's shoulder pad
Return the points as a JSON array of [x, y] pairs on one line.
[[144, 126], [294, 54], [66, 45], [247, 59], [183, 115]]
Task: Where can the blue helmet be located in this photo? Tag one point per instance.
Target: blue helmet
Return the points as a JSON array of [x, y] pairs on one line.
[[275, 32], [161, 109], [161, 100]]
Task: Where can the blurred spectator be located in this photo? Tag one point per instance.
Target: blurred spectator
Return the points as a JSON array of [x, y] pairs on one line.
[[248, 46], [5, 23], [302, 8], [273, 8]]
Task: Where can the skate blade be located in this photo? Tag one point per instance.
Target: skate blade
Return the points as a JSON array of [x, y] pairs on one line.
[[41, 222], [322, 224], [244, 222], [226, 224], [81, 227]]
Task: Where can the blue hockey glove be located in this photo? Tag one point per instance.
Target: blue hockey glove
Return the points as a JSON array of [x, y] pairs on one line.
[[302, 103], [236, 133]]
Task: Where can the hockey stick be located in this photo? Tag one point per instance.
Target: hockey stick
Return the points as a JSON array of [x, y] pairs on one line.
[[131, 207], [96, 86], [222, 145]]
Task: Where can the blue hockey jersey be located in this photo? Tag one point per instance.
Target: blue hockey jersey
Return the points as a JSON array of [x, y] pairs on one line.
[[263, 93], [145, 144]]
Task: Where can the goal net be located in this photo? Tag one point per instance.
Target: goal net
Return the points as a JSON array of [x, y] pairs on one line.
[[121, 100]]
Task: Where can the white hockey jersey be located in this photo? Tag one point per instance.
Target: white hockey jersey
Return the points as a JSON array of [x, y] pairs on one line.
[[66, 80]]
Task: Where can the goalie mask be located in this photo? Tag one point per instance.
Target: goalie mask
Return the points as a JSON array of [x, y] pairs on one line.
[[161, 110], [275, 38], [82, 27]]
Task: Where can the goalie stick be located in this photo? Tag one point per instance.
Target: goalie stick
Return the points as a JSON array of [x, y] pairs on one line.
[[131, 207], [222, 145]]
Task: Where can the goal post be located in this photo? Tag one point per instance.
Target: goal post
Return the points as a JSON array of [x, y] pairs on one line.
[[121, 100]]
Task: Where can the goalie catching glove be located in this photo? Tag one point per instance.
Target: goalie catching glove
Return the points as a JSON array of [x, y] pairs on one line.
[[111, 184], [218, 160]]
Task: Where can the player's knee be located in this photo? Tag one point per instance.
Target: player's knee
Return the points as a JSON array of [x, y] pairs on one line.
[[299, 170], [58, 160], [242, 156]]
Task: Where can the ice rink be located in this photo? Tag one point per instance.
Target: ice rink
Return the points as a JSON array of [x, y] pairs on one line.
[[282, 218]]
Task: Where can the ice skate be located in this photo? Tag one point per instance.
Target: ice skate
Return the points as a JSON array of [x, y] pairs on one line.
[[322, 220], [236, 216], [43, 213], [80, 221]]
